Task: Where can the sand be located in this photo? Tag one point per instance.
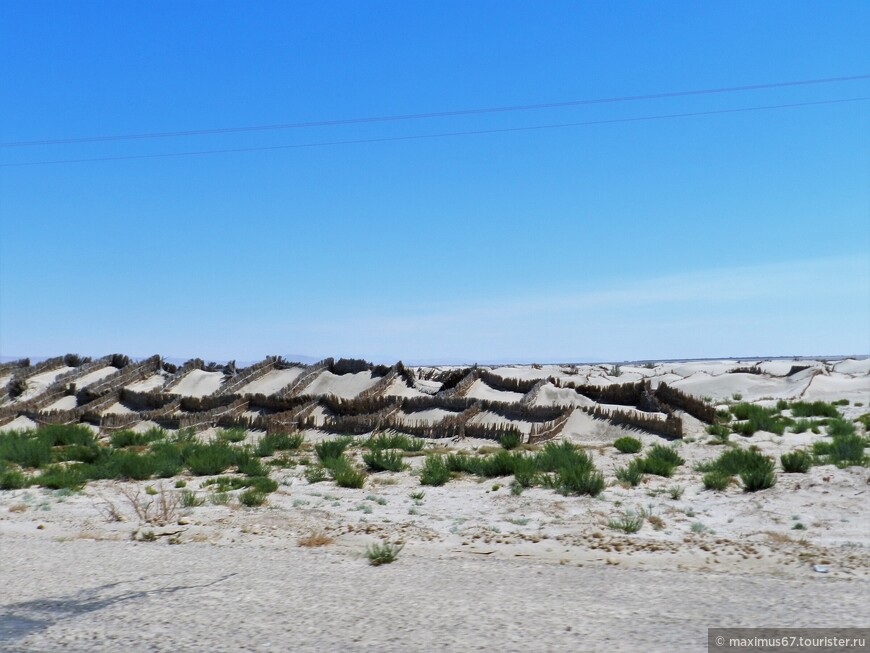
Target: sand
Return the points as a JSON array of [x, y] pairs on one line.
[[198, 383], [271, 382], [482, 568], [480, 390], [93, 377], [148, 384]]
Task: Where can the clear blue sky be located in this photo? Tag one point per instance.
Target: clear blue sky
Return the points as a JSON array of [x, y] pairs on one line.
[[718, 235]]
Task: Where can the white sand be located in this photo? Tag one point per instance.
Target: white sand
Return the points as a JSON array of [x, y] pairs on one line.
[[398, 388], [480, 390], [64, 403], [118, 409], [198, 383], [271, 382], [93, 377], [345, 386], [20, 423], [428, 416], [149, 383], [489, 418], [37, 384]]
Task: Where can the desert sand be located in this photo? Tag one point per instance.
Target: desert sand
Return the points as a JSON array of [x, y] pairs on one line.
[[482, 568]]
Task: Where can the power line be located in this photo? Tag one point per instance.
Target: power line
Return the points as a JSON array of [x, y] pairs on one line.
[[436, 114], [437, 135]]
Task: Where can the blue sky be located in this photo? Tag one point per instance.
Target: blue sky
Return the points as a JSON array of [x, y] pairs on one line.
[[718, 235]]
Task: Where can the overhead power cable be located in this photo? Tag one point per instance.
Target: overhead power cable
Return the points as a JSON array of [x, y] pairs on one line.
[[435, 114], [437, 135]]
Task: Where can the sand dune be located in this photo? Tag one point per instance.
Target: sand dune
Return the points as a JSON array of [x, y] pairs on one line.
[[198, 383], [271, 382], [345, 386]]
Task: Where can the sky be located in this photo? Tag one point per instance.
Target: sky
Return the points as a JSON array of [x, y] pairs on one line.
[[639, 236]]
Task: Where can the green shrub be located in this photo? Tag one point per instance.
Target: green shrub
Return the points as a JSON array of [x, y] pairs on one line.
[[344, 473], [796, 462], [660, 461], [435, 471], [226, 483], [269, 444], [802, 425], [628, 523], [383, 460], [716, 480], [190, 499], [758, 418], [723, 415], [734, 461], [628, 445], [382, 554], [394, 441], [58, 477], [814, 409], [848, 450], [210, 459], [262, 484], [167, 458], [127, 438], [631, 474], [720, 432], [25, 448], [556, 456], [66, 434], [525, 471], [840, 427], [232, 435], [12, 480], [331, 449], [315, 474], [757, 473], [248, 463], [510, 439], [252, 498], [578, 480]]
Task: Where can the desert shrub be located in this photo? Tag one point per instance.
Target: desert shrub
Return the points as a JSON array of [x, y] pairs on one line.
[[719, 431], [315, 474], [660, 461], [232, 435], [126, 465], [344, 473], [555, 456], [716, 480], [463, 463], [262, 484], [840, 427], [578, 480], [802, 425], [676, 492], [631, 474], [209, 459], [127, 438], [435, 471], [628, 445], [864, 420], [12, 480], [382, 554], [60, 477], [847, 450], [758, 418], [734, 461], [25, 448], [331, 449], [510, 440], [498, 464], [525, 471], [758, 474], [252, 498], [723, 415], [80, 453], [382, 460], [796, 462], [226, 483], [394, 441], [814, 409], [168, 459], [190, 499], [269, 444], [248, 463], [628, 523], [66, 434]]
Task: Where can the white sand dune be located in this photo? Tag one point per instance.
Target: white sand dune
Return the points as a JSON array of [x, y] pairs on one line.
[[64, 403], [489, 418], [149, 383], [398, 388], [345, 386], [93, 377], [271, 382], [20, 423], [198, 383], [839, 387], [550, 395], [428, 416], [118, 409], [751, 387], [480, 390], [37, 384], [853, 366]]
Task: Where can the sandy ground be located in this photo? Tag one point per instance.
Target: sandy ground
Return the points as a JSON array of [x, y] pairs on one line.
[[198, 383], [482, 568], [271, 382]]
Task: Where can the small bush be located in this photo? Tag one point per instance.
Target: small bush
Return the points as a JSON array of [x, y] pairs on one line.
[[394, 441], [796, 462], [190, 499], [716, 480], [631, 474], [126, 438], [25, 448], [345, 474], [814, 409], [676, 492], [628, 445], [261, 484], [248, 463], [759, 475], [382, 554], [59, 477], [232, 435], [315, 474], [578, 480], [510, 440], [381, 460], [12, 480], [435, 471], [252, 498], [331, 449], [627, 523], [840, 427], [720, 432], [269, 444], [210, 459]]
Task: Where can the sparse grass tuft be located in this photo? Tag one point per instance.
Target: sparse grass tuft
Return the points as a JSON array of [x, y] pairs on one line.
[[716, 480], [510, 440], [252, 498], [190, 499], [628, 445], [328, 450], [382, 554], [628, 523], [344, 473], [631, 474], [435, 471], [315, 539]]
